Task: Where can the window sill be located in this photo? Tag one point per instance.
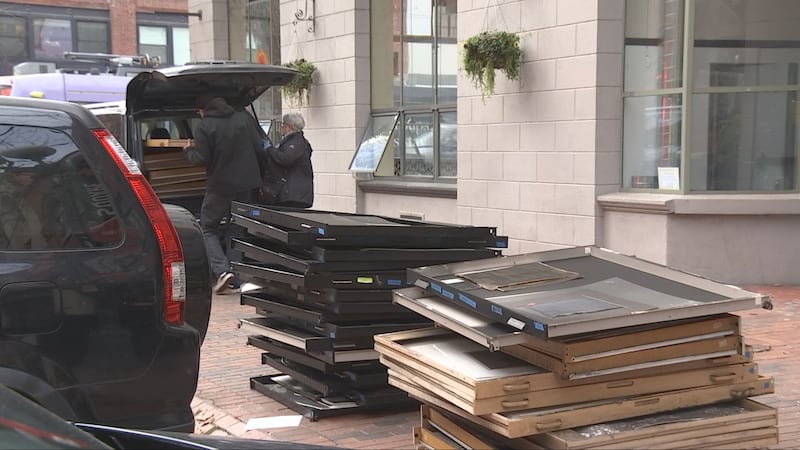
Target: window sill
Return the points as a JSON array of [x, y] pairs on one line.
[[722, 204], [413, 188]]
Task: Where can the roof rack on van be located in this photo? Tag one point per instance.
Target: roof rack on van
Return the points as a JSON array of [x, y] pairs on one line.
[[115, 60], [222, 61], [90, 63]]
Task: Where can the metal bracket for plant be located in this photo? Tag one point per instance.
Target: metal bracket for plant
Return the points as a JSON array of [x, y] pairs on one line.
[[305, 15]]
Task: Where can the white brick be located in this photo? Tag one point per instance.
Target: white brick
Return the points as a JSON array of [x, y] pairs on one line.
[[585, 103], [503, 195], [556, 105], [576, 72], [538, 14], [555, 167], [539, 75], [575, 199], [464, 215], [472, 193], [503, 137], [585, 231], [517, 108], [345, 185], [488, 110], [556, 42], [487, 166], [574, 11], [537, 136], [465, 164], [520, 225], [586, 38], [555, 229], [585, 168], [345, 46], [576, 136], [519, 166], [537, 197], [472, 138], [486, 217]]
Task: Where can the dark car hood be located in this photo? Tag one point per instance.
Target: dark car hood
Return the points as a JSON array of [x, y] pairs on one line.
[[167, 440], [178, 87]]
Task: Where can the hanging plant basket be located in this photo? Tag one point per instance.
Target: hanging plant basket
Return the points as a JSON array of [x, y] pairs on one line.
[[298, 89], [489, 51]]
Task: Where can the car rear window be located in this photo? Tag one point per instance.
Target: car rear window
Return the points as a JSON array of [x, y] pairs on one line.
[[49, 195]]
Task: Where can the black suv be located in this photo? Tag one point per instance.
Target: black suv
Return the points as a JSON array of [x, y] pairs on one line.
[[98, 279], [160, 113]]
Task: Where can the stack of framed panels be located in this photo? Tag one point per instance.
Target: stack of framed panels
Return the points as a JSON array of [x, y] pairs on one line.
[[170, 173], [326, 282], [738, 424], [530, 346]]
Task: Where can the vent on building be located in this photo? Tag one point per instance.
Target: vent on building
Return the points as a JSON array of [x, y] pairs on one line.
[[412, 215]]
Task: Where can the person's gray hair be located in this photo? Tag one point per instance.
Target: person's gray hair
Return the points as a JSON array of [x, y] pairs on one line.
[[295, 121]]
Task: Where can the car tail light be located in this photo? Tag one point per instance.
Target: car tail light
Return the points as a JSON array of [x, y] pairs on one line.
[[174, 268], [5, 90]]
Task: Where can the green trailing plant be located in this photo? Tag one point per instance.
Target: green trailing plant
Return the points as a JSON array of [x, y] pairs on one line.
[[489, 51], [299, 87]]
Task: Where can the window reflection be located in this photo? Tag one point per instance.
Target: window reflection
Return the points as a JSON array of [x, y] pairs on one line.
[[379, 139], [743, 140], [746, 142], [52, 37], [448, 144], [419, 144], [49, 196], [652, 139]]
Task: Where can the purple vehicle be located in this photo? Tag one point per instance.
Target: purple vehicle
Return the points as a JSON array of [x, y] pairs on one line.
[[70, 87]]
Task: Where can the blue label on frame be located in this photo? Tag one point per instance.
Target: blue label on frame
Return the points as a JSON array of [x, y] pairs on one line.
[[448, 294], [538, 325], [436, 287], [467, 300], [497, 310], [321, 231], [394, 282], [255, 212]]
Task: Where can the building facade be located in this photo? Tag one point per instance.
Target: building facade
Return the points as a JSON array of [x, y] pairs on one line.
[[666, 129], [42, 30]]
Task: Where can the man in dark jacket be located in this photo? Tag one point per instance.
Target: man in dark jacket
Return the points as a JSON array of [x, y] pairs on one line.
[[226, 142], [292, 160]]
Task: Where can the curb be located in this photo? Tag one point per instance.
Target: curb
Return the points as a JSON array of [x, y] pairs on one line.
[[214, 421]]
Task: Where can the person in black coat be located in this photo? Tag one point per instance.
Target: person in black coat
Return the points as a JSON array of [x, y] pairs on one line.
[[226, 142], [291, 160]]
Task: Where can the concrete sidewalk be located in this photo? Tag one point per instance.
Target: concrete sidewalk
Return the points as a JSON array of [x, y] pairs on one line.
[[224, 401]]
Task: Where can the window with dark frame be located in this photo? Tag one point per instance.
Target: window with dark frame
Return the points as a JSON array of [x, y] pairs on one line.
[[711, 94], [414, 68], [40, 33], [92, 37]]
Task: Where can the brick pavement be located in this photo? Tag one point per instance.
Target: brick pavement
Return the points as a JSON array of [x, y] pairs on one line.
[[224, 401]]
